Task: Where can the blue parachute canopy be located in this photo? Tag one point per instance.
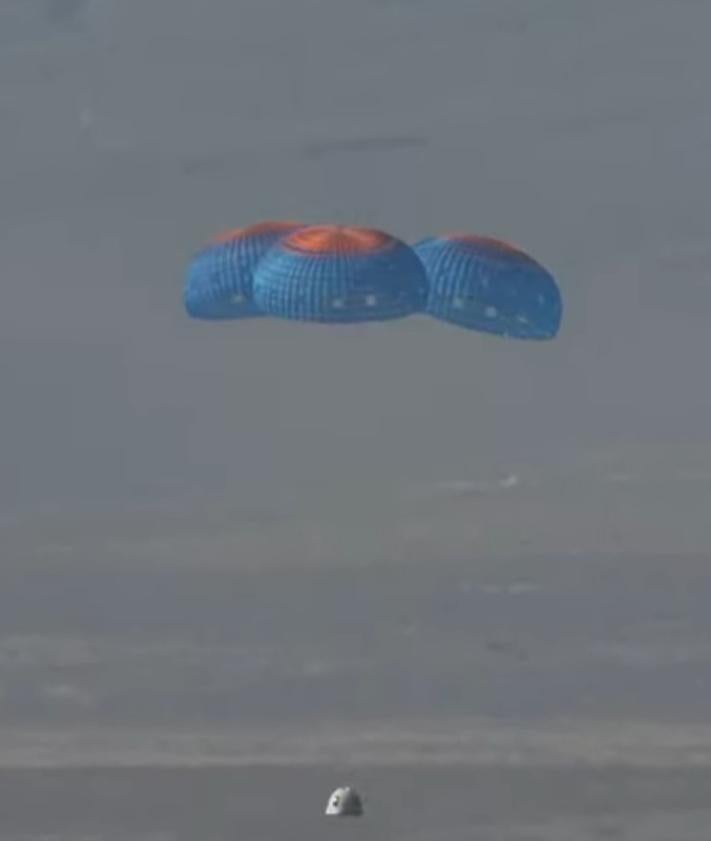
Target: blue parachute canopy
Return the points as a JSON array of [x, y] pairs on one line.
[[484, 284], [340, 274], [220, 276]]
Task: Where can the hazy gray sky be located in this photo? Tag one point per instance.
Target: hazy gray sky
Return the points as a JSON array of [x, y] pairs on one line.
[[168, 487]]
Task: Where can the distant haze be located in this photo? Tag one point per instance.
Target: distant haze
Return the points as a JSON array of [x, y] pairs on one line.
[[395, 528]]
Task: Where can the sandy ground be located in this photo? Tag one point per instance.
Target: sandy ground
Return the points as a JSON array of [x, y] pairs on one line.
[[536, 804]]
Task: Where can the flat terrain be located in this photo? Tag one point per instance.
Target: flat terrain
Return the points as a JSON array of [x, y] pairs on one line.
[[488, 804]]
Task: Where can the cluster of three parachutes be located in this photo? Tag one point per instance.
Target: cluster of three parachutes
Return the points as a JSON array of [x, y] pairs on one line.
[[345, 274]]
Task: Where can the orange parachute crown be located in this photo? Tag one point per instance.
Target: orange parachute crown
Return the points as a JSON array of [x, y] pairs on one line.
[[259, 229], [337, 239]]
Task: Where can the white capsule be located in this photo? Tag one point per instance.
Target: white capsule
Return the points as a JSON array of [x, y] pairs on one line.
[[344, 802]]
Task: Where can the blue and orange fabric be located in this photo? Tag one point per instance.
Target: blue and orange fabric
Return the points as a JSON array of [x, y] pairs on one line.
[[340, 274], [220, 276], [488, 285]]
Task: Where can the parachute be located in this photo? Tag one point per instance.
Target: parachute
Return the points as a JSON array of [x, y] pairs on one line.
[[221, 275], [339, 274], [487, 285]]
